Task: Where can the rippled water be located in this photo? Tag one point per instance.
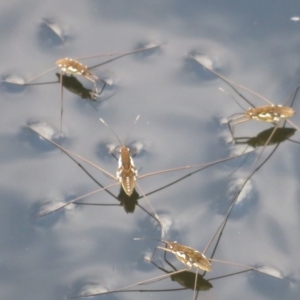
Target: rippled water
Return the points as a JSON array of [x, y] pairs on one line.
[[89, 248]]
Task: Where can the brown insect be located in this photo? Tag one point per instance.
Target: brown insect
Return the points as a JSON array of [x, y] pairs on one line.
[[188, 279], [272, 113], [187, 255], [128, 202], [280, 135], [191, 258], [74, 67], [126, 174]]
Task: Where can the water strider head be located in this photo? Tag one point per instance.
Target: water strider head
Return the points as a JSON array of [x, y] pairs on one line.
[[187, 279]]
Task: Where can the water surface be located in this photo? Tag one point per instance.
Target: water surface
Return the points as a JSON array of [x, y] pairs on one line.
[[180, 108]]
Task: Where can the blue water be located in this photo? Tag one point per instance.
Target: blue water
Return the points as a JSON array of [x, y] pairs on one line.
[[76, 250]]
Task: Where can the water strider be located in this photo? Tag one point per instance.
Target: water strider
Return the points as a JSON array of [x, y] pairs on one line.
[[271, 113], [187, 279], [73, 67], [191, 258], [73, 85], [127, 201], [126, 174]]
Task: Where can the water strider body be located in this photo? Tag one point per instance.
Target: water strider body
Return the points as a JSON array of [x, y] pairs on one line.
[[74, 67], [187, 255]]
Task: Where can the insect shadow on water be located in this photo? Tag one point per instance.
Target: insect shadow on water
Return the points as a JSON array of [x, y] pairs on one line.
[[73, 85], [74, 67], [126, 173], [271, 113], [280, 135], [191, 258]]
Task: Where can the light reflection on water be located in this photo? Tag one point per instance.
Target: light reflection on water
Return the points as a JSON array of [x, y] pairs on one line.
[[181, 108]]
